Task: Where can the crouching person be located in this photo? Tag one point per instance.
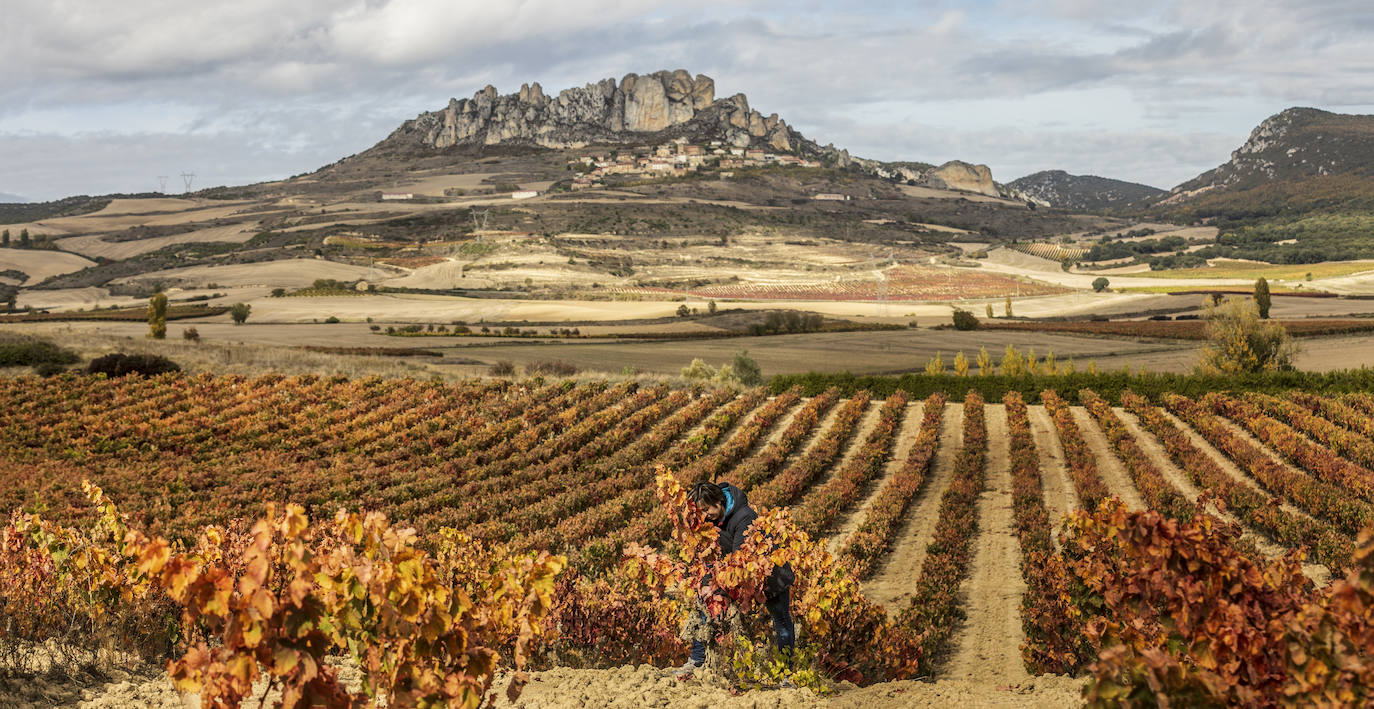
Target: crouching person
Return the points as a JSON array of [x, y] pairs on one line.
[[727, 507]]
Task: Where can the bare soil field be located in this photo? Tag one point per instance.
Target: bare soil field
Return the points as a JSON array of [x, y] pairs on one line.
[[287, 273], [39, 264], [96, 246]]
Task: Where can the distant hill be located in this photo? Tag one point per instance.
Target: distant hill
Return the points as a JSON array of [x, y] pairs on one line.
[[1057, 188], [1300, 190], [1298, 161]]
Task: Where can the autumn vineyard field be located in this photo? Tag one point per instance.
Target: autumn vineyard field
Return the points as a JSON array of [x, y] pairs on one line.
[[439, 536]]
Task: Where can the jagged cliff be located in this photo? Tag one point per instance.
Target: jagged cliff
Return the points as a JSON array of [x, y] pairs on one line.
[[667, 103]]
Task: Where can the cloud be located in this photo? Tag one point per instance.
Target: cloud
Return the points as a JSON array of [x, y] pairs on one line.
[[325, 78]]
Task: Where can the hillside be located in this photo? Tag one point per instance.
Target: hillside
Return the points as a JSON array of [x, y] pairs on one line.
[[1300, 190], [1298, 161], [1059, 189]]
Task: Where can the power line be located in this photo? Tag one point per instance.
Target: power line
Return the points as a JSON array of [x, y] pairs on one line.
[[162, 184], [187, 177]]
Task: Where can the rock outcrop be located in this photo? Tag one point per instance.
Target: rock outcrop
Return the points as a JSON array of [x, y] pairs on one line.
[[665, 102], [959, 175]]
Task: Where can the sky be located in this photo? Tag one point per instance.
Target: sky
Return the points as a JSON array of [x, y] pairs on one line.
[[99, 97]]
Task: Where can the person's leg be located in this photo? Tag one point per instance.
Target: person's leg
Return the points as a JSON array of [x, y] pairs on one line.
[[780, 610], [698, 654]]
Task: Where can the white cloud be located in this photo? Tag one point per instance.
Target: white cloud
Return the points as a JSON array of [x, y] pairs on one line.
[[324, 78]]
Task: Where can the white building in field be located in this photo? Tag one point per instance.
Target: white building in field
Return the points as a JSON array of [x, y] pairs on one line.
[[831, 196], [397, 195], [523, 194]]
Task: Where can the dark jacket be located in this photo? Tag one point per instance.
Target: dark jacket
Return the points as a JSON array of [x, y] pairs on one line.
[[734, 523]]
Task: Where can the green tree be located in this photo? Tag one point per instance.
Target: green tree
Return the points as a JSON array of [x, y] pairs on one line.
[[5, 239], [683, 311], [24, 242], [747, 371], [157, 316], [1100, 284], [711, 307], [1006, 307], [239, 312], [964, 320], [1262, 299], [1239, 341]]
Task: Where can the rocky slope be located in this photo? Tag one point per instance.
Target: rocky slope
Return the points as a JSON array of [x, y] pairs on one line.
[[1299, 145], [1057, 188], [635, 109]]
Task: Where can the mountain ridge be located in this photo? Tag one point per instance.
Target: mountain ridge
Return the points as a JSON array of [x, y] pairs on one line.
[[1058, 188]]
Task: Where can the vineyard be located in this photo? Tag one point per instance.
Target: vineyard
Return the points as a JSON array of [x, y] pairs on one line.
[[1053, 252], [256, 535], [898, 283]]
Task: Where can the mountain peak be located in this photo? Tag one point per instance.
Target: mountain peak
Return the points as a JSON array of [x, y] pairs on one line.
[[1293, 145], [635, 109]]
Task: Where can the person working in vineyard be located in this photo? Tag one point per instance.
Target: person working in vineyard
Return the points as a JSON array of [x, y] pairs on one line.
[[727, 507]]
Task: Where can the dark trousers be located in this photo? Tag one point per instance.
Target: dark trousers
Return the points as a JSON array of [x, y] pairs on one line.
[[780, 610]]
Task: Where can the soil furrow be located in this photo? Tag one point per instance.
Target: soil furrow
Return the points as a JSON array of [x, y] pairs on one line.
[[1060, 497], [895, 579], [906, 437], [1113, 472], [989, 645], [856, 441]]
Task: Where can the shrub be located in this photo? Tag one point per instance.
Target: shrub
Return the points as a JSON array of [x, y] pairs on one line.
[[746, 370], [278, 292], [1241, 342], [964, 320], [118, 364], [554, 367], [502, 368], [239, 312], [32, 353], [374, 328], [699, 369], [190, 334], [683, 311], [1100, 284], [332, 319]]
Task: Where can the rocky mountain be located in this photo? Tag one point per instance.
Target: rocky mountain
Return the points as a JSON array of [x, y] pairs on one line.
[[1296, 152], [1057, 188], [636, 109], [644, 110]]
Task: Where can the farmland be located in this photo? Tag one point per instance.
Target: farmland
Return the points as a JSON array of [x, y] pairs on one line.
[[1178, 329], [926, 503], [901, 283]]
